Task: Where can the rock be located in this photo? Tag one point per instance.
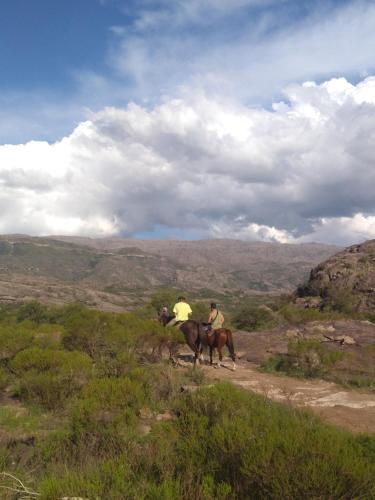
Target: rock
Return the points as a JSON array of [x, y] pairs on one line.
[[342, 339], [188, 388], [345, 339], [145, 429], [324, 328], [293, 334], [145, 413], [308, 302], [345, 281], [165, 417], [313, 359], [240, 354]]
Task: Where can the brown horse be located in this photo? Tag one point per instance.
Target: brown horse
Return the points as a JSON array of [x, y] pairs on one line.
[[193, 332], [197, 338], [218, 339]]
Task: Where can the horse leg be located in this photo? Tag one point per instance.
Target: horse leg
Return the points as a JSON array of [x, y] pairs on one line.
[[219, 347], [211, 351], [201, 355], [230, 346], [195, 350]]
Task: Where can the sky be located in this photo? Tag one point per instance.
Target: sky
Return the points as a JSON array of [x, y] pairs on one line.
[[250, 119]]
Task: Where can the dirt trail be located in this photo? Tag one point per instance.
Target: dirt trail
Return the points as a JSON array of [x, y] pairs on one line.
[[351, 409]]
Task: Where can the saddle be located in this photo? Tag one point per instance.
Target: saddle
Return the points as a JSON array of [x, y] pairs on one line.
[[179, 323]]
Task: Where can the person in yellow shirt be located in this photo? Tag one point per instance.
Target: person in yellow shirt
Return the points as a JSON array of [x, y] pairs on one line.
[[181, 310]]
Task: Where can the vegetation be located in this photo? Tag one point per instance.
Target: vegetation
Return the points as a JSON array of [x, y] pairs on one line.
[[310, 358], [92, 408], [253, 318], [305, 358]]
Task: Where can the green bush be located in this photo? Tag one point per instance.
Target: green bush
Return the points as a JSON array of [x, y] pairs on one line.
[[262, 450], [307, 358], [33, 311], [200, 310], [253, 318], [339, 299], [4, 379], [105, 415], [14, 339], [103, 334], [165, 297], [48, 377], [296, 315], [110, 480]]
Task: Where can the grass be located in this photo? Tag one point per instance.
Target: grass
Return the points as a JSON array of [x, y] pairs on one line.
[[18, 419], [219, 442]]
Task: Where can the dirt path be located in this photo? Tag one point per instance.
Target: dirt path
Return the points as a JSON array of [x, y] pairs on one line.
[[351, 409]]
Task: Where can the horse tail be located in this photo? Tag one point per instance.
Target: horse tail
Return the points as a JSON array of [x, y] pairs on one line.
[[201, 333], [230, 345]]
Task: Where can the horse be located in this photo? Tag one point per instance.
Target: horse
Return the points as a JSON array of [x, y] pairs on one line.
[[197, 338], [218, 339], [193, 332]]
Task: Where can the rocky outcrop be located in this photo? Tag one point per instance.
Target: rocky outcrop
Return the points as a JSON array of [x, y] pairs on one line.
[[345, 281]]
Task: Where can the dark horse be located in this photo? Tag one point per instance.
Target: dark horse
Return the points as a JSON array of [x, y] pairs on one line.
[[197, 338], [193, 332]]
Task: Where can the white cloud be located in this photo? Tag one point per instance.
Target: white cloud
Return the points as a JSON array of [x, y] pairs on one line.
[[304, 171], [248, 58]]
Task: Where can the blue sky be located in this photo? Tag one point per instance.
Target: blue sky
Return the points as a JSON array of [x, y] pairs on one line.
[[42, 42], [148, 103], [60, 59]]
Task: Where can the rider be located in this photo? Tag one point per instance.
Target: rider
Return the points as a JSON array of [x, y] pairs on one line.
[[164, 316], [215, 319], [182, 311]]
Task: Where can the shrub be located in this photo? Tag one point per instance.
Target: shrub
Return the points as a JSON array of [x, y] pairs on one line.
[[48, 377], [339, 299], [110, 480], [307, 358], [296, 315], [200, 311], [252, 318], [33, 311], [105, 414], [164, 297], [262, 450], [4, 379], [14, 339]]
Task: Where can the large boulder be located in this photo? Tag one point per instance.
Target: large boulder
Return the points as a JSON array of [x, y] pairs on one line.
[[345, 281]]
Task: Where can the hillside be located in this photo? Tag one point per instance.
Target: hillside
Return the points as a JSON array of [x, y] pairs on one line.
[[113, 273], [346, 281]]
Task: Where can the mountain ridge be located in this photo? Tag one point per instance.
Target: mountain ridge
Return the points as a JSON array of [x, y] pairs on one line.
[[123, 268]]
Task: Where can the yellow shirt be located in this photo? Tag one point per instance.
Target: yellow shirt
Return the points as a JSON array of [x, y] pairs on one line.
[[182, 311]]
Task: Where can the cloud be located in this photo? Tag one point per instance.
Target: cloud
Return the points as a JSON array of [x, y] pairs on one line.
[[244, 50], [195, 165]]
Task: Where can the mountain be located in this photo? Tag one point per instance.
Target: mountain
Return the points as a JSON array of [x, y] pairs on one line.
[[346, 280], [115, 273]]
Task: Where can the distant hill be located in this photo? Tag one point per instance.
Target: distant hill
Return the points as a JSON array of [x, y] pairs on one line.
[[114, 273], [346, 280]]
